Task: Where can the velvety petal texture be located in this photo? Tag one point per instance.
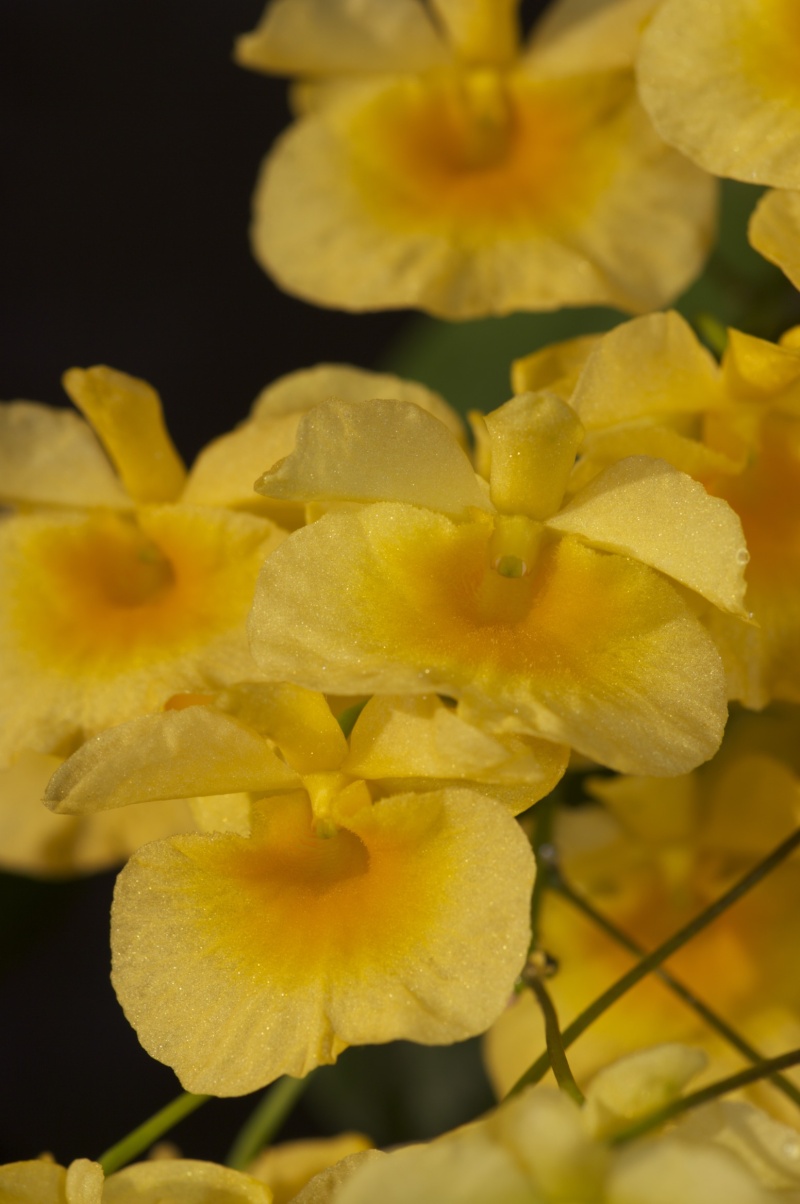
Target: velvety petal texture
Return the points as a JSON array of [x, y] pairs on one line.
[[592, 650], [258, 739], [103, 617], [238, 960], [389, 449], [720, 82], [225, 471], [649, 387]]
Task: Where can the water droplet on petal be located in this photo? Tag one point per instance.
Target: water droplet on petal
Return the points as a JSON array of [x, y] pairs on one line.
[[743, 556]]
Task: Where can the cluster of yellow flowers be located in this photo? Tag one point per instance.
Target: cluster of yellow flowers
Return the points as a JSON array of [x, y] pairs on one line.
[[307, 715]]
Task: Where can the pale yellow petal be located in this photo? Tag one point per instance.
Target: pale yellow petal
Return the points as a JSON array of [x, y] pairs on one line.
[[84, 1182], [238, 960], [288, 1167], [651, 367], [588, 35], [720, 82], [483, 32], [641, 1083], [51, 457], [183, 1181], [421, 738], [589, 649], [225, 472], [325, 1187], [308, 387], [321, 37], [377, 202], [388, 450], [465, 1167], [103, 618], [667, 1171], [222, 813], [34, 1182], [687, 453], [648, 510], [173, 754], [555, 368], [756, 369], [769, 1148], [36, 842], [774, 231], [299, 721], [533, 440], [127, 416]]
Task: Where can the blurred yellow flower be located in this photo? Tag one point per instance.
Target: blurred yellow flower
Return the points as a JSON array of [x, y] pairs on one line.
[[188, 1181], [650, 387], [653, 856], [326, 913], [287, 1168], [720, 82], [438, 163], [556, 619], [542, 1149], [117, 589]]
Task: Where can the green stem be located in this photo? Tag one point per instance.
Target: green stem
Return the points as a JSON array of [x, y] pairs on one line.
[[711, 1018], [705, 1094], [536, 1072], [555, 1045], [147, 1134], [265, 1121]]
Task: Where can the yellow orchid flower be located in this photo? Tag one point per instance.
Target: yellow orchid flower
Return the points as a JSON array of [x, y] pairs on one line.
[[541, 1148], [720, 83], [331, 911], [181, 1181], [116, 593], [653, 856], [123, 580], [556, 619], [438, 163], [649, 387]]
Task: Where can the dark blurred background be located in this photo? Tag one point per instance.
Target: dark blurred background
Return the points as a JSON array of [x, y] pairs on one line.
[[129, 149]]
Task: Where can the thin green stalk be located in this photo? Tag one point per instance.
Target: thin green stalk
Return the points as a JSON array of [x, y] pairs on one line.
[[705, 1094], [265, 1121], [141, 1138], [538, 1070], [711, 1018], [555, 1045]]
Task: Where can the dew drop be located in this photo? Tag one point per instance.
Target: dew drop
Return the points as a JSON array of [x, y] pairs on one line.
[[743, 556]]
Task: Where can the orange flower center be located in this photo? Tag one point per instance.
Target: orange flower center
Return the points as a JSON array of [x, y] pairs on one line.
[[481, 149]]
